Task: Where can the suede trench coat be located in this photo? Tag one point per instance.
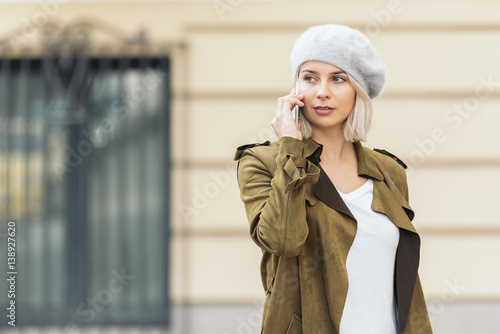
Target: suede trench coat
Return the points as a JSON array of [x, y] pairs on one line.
[[305, 230]]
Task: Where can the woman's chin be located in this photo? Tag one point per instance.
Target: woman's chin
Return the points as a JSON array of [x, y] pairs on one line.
[[324, 124]]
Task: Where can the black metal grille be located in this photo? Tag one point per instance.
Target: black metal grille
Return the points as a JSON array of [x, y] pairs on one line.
[[84, 172]]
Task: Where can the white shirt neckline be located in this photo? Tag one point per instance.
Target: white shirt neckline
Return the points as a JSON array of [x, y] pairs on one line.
[[359, 191]]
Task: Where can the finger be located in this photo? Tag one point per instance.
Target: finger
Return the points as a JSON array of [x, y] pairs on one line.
[[300, 102], [292, 102]]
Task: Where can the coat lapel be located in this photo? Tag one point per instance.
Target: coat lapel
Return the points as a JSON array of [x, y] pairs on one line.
[[367, 166], [387, 199], [324, 189], [384, 197], [386, 202], [328, 194]]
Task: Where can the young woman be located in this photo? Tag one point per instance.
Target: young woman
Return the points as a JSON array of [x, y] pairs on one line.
[[332, 217]]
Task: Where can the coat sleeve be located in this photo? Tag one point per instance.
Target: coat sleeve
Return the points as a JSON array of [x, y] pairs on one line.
[[275, 202]]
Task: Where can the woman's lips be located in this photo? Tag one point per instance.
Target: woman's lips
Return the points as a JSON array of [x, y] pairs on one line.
[[324, 110]]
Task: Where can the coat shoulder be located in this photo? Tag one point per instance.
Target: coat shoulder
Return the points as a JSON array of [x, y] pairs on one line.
[[387, 156], [258, 149]]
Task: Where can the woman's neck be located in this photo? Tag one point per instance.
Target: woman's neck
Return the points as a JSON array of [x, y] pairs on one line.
[[335, 147]]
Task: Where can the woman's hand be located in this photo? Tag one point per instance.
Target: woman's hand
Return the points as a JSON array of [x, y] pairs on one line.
[[284, 123]]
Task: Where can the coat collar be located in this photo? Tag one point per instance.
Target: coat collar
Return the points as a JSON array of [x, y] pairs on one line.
[[367, 166], [384, 196]]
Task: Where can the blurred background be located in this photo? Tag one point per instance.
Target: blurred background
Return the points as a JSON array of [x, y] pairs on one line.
[[118, 125]]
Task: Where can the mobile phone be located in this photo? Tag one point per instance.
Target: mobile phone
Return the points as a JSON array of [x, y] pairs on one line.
[[296, 109]]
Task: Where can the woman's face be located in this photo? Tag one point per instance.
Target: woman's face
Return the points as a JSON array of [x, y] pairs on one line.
[[328, 95]]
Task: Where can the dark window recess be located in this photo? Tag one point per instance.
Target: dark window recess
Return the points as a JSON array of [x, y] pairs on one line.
[[84, 172]]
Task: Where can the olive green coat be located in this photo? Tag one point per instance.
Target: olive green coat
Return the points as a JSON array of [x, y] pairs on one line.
[[305, 230]]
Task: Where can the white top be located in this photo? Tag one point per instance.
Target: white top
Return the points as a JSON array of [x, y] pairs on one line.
[[371, 304]]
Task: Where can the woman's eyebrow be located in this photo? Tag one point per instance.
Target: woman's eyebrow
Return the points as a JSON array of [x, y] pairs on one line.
[[314, 72]]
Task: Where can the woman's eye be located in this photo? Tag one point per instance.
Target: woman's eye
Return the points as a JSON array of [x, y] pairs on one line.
[[338, 79], [308, 78]]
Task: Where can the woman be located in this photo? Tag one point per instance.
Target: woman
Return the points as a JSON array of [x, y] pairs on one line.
[[332, 218]]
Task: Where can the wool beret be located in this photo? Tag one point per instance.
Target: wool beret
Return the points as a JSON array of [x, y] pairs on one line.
[[345, 48]]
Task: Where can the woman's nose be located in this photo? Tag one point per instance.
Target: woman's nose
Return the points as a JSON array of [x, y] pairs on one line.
[[324, 92]]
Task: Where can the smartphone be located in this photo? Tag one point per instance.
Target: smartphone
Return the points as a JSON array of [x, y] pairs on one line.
[[296, 109]]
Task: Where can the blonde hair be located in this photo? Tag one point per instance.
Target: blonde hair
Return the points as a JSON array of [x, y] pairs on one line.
[[358, 122]]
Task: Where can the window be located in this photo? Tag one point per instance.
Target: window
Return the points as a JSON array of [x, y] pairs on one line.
[[84, 173]]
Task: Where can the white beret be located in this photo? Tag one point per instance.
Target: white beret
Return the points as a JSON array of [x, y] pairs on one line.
[[345, 48]]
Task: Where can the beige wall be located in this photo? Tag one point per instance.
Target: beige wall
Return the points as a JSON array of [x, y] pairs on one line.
[[230, 71], [438, 56]]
